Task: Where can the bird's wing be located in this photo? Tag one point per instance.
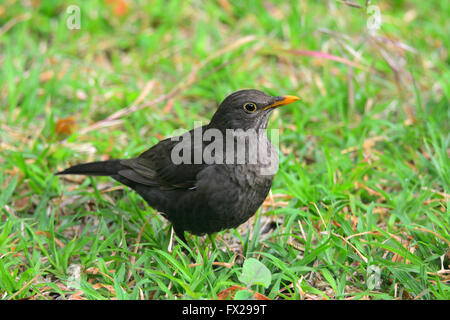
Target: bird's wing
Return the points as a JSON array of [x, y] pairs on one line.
[[155, 167]]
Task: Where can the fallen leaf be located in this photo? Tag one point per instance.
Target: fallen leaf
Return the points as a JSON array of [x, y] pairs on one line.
[[65, 125], [48, 235], [229, 293], [120, 7], [225, 5], [77, 296], [21, 203], [46, 75]]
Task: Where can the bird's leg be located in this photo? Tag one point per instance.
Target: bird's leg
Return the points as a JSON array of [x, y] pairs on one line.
[[179, 233], [170, 246]]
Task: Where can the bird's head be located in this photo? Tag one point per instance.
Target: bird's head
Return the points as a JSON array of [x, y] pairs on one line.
[[247, 109]]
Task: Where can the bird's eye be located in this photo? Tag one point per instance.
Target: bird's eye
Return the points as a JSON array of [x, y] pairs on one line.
[[250, 107]]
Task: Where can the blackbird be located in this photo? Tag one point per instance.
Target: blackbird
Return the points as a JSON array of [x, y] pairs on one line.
[[205, 185]]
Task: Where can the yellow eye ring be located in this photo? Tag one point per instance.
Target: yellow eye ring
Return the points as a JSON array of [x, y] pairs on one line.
[[250, 107]]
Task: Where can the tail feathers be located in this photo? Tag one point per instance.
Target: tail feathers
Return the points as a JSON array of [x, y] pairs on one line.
[[98, 168]]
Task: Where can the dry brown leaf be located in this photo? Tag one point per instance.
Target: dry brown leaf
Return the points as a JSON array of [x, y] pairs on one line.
[[77, 296], [47, 234], [120, 7], [225, 4], [21, 203], [46, 75], [106, 286], [65, 125], [228, 293]]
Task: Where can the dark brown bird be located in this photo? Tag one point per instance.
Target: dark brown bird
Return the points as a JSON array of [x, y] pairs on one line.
[[211, 178]]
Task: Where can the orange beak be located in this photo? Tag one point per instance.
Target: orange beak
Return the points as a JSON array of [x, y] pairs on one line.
[[281, 101]]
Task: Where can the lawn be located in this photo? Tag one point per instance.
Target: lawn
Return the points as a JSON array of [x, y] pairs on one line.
[[358, 208]]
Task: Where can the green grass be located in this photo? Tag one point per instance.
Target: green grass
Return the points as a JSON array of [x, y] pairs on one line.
[[360, 202]]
